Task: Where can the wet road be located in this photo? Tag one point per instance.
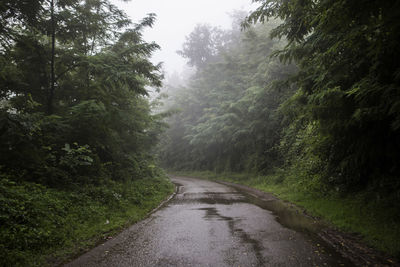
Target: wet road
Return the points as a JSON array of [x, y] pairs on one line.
[[209, 224]]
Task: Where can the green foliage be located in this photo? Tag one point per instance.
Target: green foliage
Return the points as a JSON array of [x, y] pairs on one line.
[[38, 222], [76, 129], [202, 45], [327, 127], [98, 105], [27, 224], [348, 79], [76, 156], [227, 119]]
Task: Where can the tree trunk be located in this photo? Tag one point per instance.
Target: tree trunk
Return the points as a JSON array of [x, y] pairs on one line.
[[52, 63]]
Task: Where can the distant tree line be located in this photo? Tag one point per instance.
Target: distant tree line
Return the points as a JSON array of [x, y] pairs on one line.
[[319, 102]]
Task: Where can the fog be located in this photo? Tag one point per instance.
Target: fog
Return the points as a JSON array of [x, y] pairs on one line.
[[176, 19]]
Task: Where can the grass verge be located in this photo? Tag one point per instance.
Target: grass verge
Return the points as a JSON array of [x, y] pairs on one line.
[[376, 221], [43, 226]]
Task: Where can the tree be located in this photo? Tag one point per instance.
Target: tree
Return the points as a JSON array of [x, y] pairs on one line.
[[228, 117], [78, 63], [14, 14], [348, 82], [202, 45]]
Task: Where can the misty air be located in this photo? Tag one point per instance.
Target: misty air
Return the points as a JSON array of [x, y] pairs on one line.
[[199, 133]]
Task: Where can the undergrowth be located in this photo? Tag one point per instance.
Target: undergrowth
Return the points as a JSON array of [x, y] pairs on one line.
[[45, 226]]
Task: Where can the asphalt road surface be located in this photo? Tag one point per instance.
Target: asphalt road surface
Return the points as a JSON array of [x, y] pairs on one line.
[[210, 224]]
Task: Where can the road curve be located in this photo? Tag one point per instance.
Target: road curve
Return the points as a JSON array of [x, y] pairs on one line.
[[210, 224]]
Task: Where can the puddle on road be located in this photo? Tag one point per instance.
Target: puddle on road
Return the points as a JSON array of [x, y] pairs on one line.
[[293, 218], [287, 215], [213, 214], [211, 198]]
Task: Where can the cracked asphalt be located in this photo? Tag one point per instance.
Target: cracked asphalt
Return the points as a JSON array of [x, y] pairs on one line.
[[210, 224]]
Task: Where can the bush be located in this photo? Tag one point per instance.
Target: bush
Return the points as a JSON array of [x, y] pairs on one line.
[[37, 221]]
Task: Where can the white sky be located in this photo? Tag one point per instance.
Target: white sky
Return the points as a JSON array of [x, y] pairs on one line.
[[176, 19]]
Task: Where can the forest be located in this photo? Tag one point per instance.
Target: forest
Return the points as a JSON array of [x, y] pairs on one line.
[[76, 127], [299, 96]]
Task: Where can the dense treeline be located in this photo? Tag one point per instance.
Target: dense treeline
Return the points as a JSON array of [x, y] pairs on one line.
[[348, 85], [221, 124], [75, 116], [311, 114], [316, 106], [73, 109]]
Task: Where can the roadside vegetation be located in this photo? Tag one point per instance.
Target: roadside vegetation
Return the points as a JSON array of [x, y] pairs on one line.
[[307, 102], [46, 226], [77, 134], [305, 98], [370, 220]]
